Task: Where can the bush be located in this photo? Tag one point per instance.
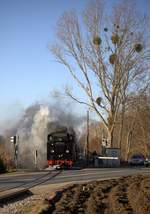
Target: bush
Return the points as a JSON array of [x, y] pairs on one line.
[[2, 166]]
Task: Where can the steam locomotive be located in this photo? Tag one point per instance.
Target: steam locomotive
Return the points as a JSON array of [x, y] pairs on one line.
[[61, 148]]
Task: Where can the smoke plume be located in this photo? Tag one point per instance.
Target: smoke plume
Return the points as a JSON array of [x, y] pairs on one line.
[[34, 126]]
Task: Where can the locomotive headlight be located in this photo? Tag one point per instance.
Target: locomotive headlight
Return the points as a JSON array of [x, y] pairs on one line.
[[67, 151], [52, 151]]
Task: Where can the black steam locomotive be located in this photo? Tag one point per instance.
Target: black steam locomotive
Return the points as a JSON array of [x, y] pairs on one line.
[[61, 148]]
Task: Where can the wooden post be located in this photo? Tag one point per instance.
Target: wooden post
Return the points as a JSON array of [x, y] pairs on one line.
[[87, 152]]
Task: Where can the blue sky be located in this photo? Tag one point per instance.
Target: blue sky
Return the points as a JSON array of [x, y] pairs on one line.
[[28, 71]]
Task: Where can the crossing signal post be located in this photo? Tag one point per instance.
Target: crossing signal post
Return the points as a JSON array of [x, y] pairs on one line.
[[104, 146], [13, 139]]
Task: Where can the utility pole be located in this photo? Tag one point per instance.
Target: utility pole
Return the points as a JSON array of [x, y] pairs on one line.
[[87, 142], [35, 158]]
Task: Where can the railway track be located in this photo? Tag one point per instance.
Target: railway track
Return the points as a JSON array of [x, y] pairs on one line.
[[7, 194]]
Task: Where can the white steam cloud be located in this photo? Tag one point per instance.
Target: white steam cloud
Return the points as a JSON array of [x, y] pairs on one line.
[[39, 133], [33, 136]]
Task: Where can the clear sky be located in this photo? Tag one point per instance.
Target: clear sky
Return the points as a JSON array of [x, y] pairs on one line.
[[28, 71]]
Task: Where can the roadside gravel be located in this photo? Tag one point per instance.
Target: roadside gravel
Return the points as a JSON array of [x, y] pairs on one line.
[[33, 202]]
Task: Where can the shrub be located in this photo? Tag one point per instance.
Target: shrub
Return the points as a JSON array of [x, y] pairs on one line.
[[2, 166]]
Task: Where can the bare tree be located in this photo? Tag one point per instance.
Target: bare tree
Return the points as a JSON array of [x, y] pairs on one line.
[[136, 129], [107, 56]]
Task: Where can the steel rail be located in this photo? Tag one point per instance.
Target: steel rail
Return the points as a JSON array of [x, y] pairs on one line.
[[25, 188], [23, 183]]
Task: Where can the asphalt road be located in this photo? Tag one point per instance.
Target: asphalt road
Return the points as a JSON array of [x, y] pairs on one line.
[[96, 174], [18, 178]]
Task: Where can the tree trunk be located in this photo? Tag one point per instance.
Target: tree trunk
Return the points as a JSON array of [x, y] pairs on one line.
[[110, 128], [129, 139], [110, 137], [121, 126]]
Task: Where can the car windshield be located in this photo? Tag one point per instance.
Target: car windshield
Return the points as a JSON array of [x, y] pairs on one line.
[[137, 157]]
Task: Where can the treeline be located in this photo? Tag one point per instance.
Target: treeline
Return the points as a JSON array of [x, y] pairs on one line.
[[6, 161], [132, 129]]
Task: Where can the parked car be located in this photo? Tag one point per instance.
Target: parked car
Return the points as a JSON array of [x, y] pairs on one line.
[[147, 161], [136, 160]]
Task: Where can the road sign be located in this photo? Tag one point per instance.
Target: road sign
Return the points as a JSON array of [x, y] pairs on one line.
[[113, 152]]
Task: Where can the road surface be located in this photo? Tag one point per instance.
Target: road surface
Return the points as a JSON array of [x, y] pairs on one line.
[[14, 179]]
